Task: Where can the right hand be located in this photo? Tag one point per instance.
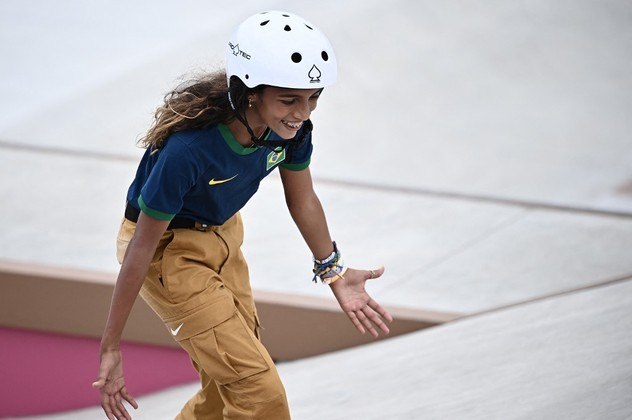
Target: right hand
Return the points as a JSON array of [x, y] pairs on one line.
[[362, 310], [111, 384]]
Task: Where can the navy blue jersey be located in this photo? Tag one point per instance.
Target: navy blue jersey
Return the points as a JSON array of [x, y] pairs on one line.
[[206, 175]]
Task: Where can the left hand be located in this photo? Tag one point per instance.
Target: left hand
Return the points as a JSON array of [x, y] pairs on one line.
[[111, 385], [362, 310]]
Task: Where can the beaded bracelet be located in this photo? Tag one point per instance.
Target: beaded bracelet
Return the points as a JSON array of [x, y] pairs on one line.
[[330, 269]]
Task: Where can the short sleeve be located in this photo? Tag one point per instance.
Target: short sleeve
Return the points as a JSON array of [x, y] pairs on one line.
[[299, 156], [173, 175]]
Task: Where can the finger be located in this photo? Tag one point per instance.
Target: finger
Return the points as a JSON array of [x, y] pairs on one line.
[[121, 406], [122, 409], [115, 409], [375, 273], [375, 319], [355, 321], [365, 321], [108, 410], [380, 310], [129, 398]]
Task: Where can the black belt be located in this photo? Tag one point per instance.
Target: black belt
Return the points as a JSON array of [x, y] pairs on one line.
[[132, 214]]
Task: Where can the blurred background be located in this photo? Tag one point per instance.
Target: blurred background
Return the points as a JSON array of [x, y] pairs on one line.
[[481, 151]]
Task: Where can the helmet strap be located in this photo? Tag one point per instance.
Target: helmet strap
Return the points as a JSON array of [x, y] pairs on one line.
[[242, 119], [253, 138]]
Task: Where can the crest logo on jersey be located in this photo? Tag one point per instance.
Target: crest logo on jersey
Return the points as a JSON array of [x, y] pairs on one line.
[[314, 74], [274, 158]]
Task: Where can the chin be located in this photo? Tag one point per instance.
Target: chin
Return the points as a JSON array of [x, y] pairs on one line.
[[285, 136], [284, 133]]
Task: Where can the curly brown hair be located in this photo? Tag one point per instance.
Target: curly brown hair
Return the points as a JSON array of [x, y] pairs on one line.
[[197, 103]]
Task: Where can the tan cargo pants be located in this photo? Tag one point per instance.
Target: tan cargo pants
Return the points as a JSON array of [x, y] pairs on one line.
[[198, 285]]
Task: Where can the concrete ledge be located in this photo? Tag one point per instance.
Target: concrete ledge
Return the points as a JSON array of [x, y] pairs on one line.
[[77, 302], [69, 301]]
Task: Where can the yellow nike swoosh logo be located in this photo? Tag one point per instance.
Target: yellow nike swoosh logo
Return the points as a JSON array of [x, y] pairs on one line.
[[220, 181]]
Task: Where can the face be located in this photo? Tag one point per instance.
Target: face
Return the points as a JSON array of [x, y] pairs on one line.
[[282, 109]]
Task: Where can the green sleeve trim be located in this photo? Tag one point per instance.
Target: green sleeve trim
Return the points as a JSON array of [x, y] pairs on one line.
[[296, 166], [154, 213]]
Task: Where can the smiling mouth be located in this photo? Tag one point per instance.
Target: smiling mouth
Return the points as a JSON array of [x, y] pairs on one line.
[[292, 125]]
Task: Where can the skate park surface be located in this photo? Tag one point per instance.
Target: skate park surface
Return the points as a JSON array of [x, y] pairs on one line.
[[481, 152]]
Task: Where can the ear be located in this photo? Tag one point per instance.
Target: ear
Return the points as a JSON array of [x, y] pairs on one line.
[[255, 95]]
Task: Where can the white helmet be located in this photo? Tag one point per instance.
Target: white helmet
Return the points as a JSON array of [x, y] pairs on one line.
[[280, 49]]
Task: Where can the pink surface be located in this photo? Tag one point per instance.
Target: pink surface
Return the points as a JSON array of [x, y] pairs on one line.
[[46, 373]]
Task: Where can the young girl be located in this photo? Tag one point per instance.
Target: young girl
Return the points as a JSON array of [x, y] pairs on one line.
[[211, 144]]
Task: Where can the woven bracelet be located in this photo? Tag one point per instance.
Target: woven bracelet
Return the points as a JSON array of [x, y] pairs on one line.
[[329, 269]]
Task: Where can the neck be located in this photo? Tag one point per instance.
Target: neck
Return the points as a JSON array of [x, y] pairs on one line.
[[240, 132]]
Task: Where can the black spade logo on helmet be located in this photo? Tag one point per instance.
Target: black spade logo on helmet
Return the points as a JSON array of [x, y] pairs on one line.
[[314, 74]]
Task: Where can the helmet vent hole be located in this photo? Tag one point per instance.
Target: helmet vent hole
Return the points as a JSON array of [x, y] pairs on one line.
[[309, 27], [264, 23], [324, 55], [286, 15], [287, 28], [296, 57], [247, 77]]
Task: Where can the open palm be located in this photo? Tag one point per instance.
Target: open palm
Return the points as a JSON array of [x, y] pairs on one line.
[[364, 312], [111, 384]]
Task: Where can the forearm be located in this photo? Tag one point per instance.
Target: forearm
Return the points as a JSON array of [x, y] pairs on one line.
[[140, 252], [309, 216], [128, 284], [310, 219]]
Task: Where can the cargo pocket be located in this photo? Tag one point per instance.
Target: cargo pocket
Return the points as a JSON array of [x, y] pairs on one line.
[[218, 339]]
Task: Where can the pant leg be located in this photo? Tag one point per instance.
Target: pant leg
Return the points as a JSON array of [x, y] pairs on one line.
[[206, 403], [198, 284], [246, 377]]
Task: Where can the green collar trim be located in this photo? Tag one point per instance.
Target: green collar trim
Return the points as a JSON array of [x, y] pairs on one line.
[[232, 142]]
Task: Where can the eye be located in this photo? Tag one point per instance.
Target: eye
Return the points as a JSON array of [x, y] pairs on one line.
[[288, 101]]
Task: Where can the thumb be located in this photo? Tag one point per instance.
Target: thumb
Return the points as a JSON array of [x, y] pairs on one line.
[[104, 372], [375, 273], [99, 383]]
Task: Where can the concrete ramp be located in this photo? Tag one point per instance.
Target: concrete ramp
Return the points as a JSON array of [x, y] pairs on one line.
[[565, 357]]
